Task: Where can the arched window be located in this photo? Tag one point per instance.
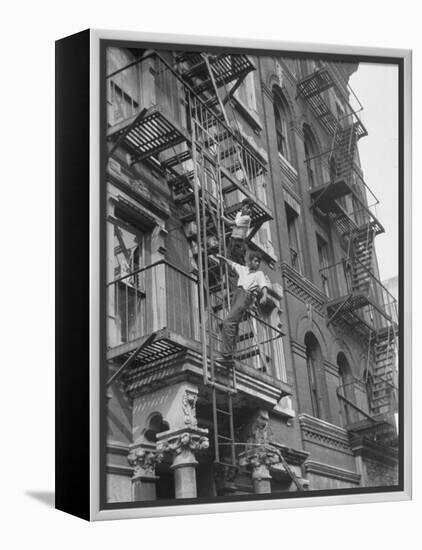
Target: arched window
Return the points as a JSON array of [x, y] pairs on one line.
[[314, 364], [313, 162], [281, 116], [346, 389]]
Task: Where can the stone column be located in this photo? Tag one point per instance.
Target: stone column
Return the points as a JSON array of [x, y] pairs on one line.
[[258, 461], [182, 444], [144, 459]]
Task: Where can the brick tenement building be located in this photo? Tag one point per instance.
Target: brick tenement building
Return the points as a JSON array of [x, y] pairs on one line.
[[309, 401]]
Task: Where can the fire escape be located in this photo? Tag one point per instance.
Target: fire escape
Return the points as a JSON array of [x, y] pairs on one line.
[[357, 299], [209, 170]]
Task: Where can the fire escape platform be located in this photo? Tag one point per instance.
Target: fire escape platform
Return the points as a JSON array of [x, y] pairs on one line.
[[164, 344], [348, 308], [172, 358], [325, 198], [324, 195], [148, 133], [226, 68], [381, 429], [315, 83]]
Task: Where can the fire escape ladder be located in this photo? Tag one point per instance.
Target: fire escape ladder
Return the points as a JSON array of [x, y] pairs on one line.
[[227, 121], [383, 389], [363, 249]]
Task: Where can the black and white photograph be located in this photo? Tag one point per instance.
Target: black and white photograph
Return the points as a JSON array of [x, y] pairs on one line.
[[251, 275]]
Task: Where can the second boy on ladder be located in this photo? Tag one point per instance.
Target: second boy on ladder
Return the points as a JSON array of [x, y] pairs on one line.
[[251, 283]]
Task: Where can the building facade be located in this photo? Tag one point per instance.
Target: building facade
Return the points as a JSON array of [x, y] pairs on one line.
[[309, 401]]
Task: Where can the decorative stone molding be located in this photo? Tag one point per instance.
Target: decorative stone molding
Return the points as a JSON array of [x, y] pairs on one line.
[[258, 460], [320, 432], [293, 456], [303, 289], [189, 407], [259, 428], [144, 460], [182, 444], [326, 470], [298, 349]]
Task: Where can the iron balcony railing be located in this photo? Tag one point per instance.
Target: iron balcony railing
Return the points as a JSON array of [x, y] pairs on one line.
[[178, 103], [313, 87], [158, 296], [259, 339], [162, 295], [358, 411], [375, 305], [345, 195]]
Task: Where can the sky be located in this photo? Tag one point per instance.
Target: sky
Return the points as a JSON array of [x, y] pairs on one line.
[[376, 86]]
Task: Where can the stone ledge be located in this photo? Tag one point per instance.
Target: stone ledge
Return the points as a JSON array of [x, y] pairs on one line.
[[326, 470]]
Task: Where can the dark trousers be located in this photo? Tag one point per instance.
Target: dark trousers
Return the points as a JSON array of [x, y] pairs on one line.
[[242, 300], [237, 250]]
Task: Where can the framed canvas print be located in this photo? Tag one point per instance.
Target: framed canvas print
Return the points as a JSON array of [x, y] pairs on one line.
[[233, 275]]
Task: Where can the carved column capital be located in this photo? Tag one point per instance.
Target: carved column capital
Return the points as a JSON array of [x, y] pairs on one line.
[[258, 461], [144, 461], [183, 444]]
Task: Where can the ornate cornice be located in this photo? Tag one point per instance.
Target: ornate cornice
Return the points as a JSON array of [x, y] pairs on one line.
[[320, 432], [187, 363], [326, 470], [303, 289]]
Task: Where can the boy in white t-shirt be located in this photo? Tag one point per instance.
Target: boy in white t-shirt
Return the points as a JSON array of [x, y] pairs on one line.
[[242, 223], [251, 283]]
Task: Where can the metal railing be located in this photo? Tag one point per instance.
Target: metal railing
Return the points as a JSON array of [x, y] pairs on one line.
[[354, 400], [182, 104], [351, 276], [258, 342], [160, 295]]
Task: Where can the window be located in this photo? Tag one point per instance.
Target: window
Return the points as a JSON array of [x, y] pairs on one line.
[[313, 363], [282, 127], [123, 89], [324, 262], [346, 390], [294, 241], [313, 162], [127, 288], [246, 92]]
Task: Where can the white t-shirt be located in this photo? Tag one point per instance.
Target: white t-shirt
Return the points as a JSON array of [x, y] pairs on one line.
[[249, 280], [241, 229]]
